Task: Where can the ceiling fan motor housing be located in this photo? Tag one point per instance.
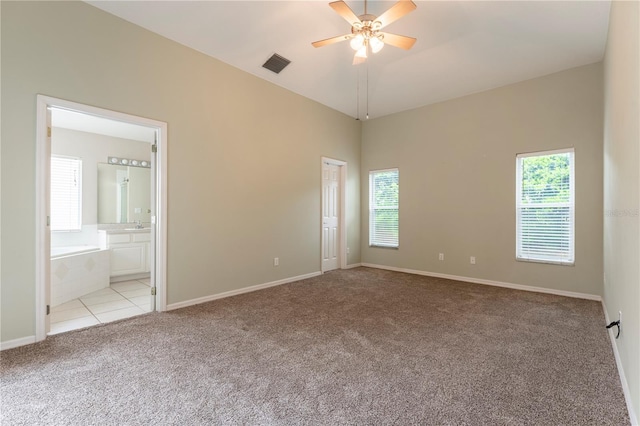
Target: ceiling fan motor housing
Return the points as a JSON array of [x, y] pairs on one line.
[[367, 25], [367, 17]]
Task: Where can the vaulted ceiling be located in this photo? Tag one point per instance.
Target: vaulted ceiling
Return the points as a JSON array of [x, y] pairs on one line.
[[463, 47]]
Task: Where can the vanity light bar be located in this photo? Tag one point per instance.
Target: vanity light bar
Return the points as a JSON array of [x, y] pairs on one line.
[[129, 162]]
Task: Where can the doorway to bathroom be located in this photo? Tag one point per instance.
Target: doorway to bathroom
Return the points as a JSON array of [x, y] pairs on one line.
[[101, 216]]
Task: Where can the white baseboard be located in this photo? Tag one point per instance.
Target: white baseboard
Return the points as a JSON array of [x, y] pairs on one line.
[[10, 344], [490, 282], [204, 299], [623, 378], [129, 277], [353, 265]]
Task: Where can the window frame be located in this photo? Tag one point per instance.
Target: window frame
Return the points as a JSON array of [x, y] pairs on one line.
[[373, 209], [79, 195], [571, 204]]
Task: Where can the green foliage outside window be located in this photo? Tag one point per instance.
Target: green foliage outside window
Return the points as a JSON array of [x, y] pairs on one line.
[[546, 179]]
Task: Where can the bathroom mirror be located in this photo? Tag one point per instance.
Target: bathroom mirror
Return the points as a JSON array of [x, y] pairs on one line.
[[124, 194]]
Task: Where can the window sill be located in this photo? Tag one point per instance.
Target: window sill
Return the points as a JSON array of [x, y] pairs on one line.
[[547, 262], [383, 247]]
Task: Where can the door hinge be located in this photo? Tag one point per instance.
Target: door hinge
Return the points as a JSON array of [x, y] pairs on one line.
[[153, 291], [48, 132], [154, 148], [48, 309], [48, 220]]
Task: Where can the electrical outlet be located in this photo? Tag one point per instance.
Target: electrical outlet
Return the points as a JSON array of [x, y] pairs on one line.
[[276, 261], [441, 256], [472, 260], [347, 250]]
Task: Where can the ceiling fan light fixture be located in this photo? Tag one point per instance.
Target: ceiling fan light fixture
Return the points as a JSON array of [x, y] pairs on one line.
[[357, 42], [362, 52], [376, 44]]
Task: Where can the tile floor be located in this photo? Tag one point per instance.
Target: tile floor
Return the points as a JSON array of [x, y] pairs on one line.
[[121, 300]]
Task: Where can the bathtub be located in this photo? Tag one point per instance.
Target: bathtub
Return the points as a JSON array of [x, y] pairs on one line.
[[77, 271], [71, 250]]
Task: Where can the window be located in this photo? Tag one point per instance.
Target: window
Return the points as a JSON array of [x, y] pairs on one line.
[[383, 208], [66, 193], [545, 191]]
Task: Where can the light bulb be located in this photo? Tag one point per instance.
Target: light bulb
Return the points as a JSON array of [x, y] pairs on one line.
[[376, 44], [356, 42], [362, 52]]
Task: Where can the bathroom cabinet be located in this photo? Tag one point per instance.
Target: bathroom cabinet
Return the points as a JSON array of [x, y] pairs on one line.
[[129, 252]]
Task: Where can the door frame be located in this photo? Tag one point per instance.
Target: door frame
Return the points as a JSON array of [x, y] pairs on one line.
[[43, 281], [342, 221]]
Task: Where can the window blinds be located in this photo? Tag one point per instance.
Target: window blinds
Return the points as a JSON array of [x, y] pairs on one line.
[[66, 193], [545, 207], [383, 208]]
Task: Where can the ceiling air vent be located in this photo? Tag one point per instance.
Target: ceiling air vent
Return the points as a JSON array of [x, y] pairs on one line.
[[276, 63]]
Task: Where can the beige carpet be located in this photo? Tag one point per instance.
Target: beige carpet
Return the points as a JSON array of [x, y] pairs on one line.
[[361, 346]]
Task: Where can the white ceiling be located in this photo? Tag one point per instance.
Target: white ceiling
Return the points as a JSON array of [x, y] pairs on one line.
[[66, 119], [463, 47]]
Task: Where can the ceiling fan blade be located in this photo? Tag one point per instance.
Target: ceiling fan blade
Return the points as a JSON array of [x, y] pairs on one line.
[[403, 42], [396, 12], [331, 40], [345, 11]]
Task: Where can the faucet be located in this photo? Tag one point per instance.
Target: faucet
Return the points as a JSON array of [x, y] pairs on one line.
[[139, 224]]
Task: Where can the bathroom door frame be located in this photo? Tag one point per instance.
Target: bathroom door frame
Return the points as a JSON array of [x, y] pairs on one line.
[[43, 279]]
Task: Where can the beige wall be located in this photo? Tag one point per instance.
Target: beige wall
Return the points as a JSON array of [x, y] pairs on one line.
[[622, 185], [244, 155], [457, 178]]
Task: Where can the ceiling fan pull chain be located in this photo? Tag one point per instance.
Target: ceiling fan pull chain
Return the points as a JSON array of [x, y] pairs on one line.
[[358, 95], [367, 90]]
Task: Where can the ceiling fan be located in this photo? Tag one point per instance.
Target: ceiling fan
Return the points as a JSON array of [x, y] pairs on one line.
[[365, 29]]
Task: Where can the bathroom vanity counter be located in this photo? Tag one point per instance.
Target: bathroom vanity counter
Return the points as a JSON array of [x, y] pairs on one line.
[[129, 248], [128, 231]]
